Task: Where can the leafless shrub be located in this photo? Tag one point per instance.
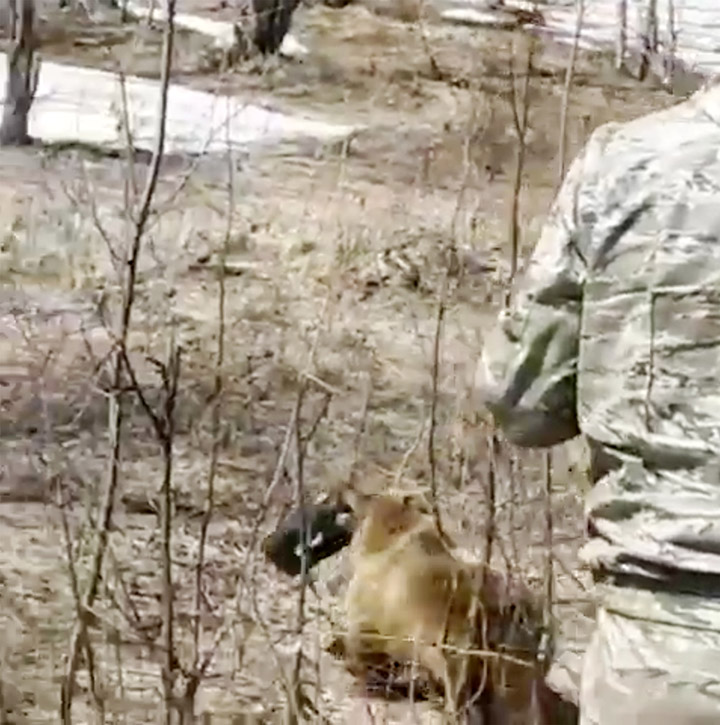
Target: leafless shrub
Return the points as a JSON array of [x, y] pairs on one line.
[[119, 365]]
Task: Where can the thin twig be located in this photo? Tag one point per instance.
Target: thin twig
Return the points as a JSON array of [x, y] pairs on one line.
[[296, 694], [362, 428], [116, 418], [170, 384], [319, 416], [409, 452], [549, 558], [75, 587], [569, 73], [434, 400], [491, 499], [214, 422], [130, 186], [547, 455], [521, 124]]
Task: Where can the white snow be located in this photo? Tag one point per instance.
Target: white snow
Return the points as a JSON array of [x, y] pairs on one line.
[[223, 32], [471, 16], [697, 23], [84, 104]]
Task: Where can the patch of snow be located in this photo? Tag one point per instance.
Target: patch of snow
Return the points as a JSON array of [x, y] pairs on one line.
[[470, 16], [291, 47], [696, 22], [225, 34], [76, 104]]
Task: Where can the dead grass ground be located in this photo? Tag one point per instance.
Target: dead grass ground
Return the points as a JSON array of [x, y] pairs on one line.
[[310, 281]]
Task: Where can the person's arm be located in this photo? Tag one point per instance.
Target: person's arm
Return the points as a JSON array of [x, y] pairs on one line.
[[529, 361]]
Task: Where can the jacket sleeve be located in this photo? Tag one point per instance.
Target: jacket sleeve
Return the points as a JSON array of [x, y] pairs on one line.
[[527, 375]]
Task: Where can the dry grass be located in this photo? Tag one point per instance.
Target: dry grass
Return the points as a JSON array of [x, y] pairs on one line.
[[309, 277]]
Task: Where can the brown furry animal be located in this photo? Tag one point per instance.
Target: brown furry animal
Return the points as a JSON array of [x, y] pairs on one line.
[[411, 599]]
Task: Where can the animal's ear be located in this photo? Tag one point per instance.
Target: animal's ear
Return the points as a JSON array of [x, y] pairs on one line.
[[358, 501], [418, 501]]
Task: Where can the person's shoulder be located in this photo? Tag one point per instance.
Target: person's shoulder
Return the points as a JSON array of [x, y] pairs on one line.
[[664, 125], [617, 147]]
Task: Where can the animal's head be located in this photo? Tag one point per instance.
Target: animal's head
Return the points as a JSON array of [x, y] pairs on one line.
[[329, 523], [333, 519], [386, 517]]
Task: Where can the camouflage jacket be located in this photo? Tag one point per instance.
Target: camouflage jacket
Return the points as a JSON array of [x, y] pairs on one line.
[[614, 332]]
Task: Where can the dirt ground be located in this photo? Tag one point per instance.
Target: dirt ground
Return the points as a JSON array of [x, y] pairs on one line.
[[334, 266]]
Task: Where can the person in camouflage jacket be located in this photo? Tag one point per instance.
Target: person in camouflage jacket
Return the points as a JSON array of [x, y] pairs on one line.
[[614, 333]]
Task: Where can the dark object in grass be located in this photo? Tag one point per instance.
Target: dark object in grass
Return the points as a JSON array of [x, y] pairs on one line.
[[272, 23], [331, 527]]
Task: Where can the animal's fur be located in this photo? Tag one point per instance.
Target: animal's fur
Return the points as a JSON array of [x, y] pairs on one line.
[[411, 599]]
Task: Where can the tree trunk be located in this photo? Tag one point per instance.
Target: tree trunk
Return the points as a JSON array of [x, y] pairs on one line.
[[272, 23], [621, 37], [23, 70], [648, 40], [671, 48]]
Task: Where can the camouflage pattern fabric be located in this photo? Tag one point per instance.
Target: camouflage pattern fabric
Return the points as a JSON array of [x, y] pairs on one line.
[[654, 658], [614, 332]]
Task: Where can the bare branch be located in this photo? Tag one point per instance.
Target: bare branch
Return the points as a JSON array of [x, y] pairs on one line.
[[199, 667], [521, 124], [116, 412], [491, 498], [295, 683], [569, 72], [433, 401], [362, 427], [166, 512]]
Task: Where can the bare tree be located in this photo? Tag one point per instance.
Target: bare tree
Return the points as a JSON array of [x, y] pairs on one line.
[[671, 45], [272, 23], [621, 37], [648, 40], [22, 74]]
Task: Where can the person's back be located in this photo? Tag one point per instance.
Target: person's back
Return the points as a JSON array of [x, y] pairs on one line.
[[648, 378], [615, 333]]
